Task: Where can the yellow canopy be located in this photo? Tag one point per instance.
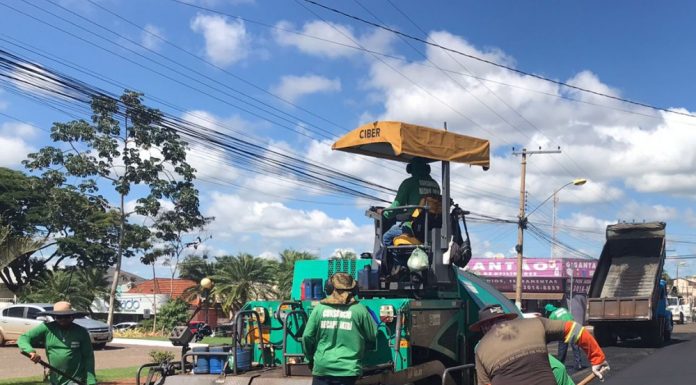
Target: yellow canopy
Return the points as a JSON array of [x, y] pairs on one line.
[[404, 141]]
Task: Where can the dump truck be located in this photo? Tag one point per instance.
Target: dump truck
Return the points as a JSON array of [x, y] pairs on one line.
[[422, 317], [627, 297]]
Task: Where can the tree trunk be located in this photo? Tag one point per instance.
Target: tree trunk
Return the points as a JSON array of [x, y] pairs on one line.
[[154, 299], [117, 269]]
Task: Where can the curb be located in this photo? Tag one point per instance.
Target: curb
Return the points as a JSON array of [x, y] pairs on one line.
[[156, 343]]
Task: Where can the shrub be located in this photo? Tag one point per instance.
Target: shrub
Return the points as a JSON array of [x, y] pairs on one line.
[[161, 356]]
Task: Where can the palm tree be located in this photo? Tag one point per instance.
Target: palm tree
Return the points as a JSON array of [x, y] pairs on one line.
[[241, 278], [79, 287], [13, 247], [286, 268]]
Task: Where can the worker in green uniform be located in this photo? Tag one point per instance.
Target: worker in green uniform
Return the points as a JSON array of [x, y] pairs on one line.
[[67, 344], [337, 333], [410, 192], [561, 313], [559, 372]]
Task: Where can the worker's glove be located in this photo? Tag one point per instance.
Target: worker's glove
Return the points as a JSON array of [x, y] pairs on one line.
[[600, 370]]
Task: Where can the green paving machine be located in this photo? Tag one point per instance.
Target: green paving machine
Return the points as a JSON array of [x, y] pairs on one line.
[[422, 316]]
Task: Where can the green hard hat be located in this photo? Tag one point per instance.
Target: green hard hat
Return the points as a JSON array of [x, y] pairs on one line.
[[549, 307]]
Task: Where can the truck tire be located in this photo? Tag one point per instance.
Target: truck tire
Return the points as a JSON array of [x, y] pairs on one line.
[[681, 318], [668, 332], [2, 340], [654, 334], [604, 335]]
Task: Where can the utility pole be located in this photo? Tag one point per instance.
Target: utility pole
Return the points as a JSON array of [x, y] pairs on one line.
[[522, 218]]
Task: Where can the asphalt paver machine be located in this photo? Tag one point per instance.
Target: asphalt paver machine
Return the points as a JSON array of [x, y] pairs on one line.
[[422, 318]]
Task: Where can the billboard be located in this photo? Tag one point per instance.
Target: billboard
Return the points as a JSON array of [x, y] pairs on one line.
[[533, 267]]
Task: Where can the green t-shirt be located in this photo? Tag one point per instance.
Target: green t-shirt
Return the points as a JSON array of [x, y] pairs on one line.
[[411, 190], [336, 337], [69, 350], [559, 372], [561, 314]]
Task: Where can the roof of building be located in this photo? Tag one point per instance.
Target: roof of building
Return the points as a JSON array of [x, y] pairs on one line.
[[175, 287], [124, 277]]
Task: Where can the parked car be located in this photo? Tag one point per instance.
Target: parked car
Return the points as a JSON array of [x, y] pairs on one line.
[[17, 319], [125, 326]]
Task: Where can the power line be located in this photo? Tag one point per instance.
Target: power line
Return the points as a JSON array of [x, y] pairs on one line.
[[559, 83]]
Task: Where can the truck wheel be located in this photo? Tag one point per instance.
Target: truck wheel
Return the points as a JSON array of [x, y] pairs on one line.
[[653, 336], [668, 333], [681, 318], [2, 340]]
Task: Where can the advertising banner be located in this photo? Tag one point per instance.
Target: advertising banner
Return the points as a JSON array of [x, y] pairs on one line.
[[529, 284], [533, 267]]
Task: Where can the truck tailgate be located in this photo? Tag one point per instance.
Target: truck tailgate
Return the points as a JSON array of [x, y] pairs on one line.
[[627, 308]]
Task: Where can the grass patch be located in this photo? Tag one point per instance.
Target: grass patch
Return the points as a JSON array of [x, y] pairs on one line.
[[103, 375]]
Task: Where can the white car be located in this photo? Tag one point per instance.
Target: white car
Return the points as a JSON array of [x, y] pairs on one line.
[[125, 326], [17, 319]]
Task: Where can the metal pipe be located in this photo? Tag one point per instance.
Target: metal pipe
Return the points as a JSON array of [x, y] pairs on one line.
[[454, 368]]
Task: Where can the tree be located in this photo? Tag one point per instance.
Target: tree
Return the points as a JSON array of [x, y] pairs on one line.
[[64, 223], [13, 247], [127, 144], [241, 278], [286, 269], [174, 313], [80, 287], [195, 268]]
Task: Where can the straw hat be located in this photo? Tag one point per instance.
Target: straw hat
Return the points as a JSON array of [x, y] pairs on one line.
[[63, 308]]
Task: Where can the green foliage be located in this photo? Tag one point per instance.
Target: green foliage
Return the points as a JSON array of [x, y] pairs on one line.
[[127, 144], [161, 356], [13, 247], [173, 313], [80, 287], [241, 278], [286, 268], [195, 268], [61, 222]]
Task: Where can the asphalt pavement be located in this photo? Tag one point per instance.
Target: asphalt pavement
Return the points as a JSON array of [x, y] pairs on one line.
[[673, 364]]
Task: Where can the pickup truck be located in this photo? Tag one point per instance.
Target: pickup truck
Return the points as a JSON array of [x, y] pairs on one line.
[[627, 297], [681, 311], [15, 320]]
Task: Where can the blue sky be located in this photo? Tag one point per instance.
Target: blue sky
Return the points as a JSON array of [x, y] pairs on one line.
[[639, 162]]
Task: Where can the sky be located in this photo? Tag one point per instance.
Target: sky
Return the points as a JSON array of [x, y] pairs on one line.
[[212, 62]]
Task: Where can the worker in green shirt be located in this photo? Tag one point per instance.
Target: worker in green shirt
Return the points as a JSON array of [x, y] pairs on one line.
[[561, 313], [338, 331], [67, 344], [410, 192]]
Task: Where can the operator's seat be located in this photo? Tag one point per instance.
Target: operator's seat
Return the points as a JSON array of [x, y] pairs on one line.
[[423, 220]]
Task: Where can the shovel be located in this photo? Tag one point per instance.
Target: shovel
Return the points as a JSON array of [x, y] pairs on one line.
[[55, 370], [590, 377]]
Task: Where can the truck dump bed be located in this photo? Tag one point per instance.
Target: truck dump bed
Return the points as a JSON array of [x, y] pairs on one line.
[[625, 283]]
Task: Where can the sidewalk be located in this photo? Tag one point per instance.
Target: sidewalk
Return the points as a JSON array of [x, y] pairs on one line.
[[143, 342]]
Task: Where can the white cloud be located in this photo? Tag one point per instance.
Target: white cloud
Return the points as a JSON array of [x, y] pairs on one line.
[[274, 221], [14, 151], [294, 87], [647, 152], [639, 212], [20, 130], [330, 40], [152, 37], [226, 42]]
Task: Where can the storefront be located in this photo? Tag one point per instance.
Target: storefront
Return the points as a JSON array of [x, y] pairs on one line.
[[544, 280], [133, 307]]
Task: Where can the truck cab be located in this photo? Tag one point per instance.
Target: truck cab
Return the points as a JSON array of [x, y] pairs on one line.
[[681, 311]]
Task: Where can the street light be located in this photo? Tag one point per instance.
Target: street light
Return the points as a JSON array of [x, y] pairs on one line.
[[521, 225]]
